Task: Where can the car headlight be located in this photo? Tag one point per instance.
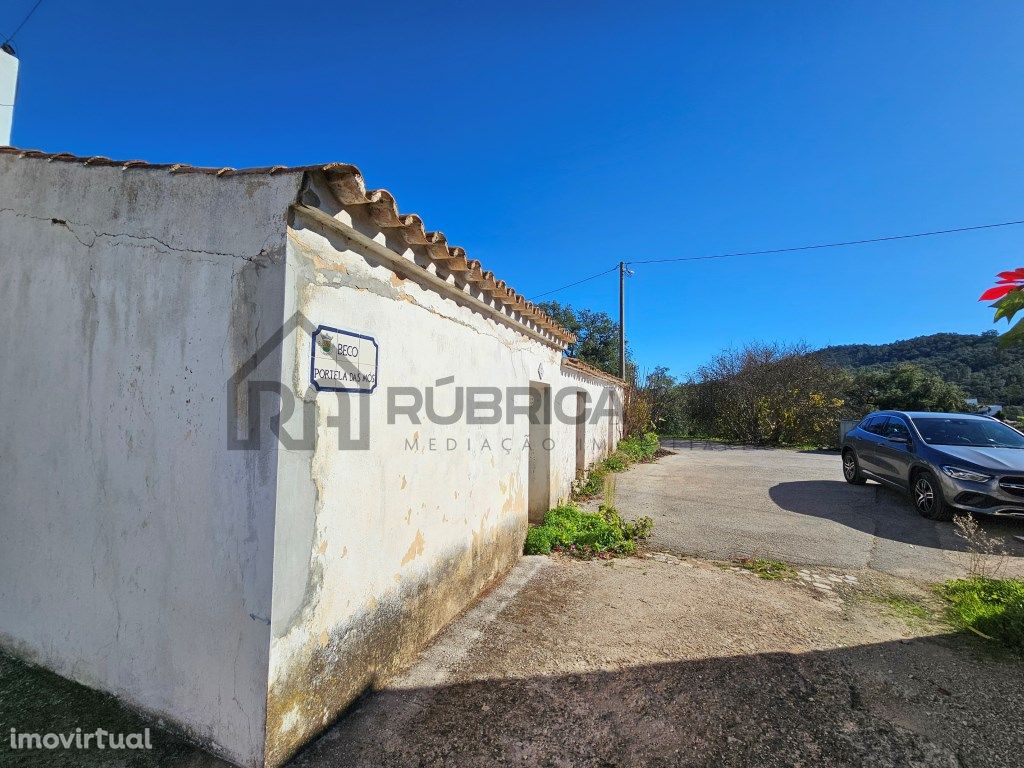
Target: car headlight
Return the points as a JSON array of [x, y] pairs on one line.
[[966, 474]]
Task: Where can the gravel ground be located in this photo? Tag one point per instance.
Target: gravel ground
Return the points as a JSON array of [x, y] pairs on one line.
[[662, 661]]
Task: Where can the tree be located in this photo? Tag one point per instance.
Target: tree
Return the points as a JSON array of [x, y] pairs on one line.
[[597, 336], [1009, 293], [903, 387], [768, 394], [982, 367], [667, 400]]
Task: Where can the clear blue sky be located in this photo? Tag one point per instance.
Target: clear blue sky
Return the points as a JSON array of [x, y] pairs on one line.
[[553, 141]]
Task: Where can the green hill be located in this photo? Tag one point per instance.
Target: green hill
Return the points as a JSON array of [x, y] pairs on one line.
[[975, 362]]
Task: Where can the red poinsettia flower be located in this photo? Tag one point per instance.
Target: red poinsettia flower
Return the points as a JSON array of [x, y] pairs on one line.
[[1012, 280], [1014, 275], [1008, 296], [997, 292]]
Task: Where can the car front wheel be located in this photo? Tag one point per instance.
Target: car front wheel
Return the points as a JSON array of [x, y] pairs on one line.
[[851, 468], [926, 494]]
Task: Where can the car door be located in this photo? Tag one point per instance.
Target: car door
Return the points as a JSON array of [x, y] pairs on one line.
[[895, 451], [868, 438]]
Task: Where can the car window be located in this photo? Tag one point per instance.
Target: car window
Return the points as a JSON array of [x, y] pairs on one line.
[[896, 428], [975, 432], [876, 425]]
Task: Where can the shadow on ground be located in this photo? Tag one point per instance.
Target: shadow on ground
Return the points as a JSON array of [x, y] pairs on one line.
[[886, 704], [940, 700], [883, 512]]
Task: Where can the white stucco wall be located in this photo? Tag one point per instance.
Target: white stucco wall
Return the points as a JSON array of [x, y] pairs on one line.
[[135, 549], [603, 432], [245, 596], [8, 93], [376, 550]]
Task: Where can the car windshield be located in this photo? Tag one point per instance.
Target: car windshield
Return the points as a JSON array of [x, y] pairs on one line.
[[970, 432]]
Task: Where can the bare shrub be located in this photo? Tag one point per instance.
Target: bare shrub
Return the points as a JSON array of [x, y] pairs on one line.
[[770, 394], [985, 555], [636, 417], [609, 491]]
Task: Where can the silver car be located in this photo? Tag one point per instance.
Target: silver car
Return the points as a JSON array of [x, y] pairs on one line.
[[948, 462]]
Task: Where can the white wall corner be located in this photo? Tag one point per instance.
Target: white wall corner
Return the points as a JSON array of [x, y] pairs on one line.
[[8, 91]]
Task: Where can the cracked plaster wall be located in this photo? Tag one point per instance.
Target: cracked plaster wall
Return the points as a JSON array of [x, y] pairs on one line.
[[135, 549], [377, 550], [137, 554]]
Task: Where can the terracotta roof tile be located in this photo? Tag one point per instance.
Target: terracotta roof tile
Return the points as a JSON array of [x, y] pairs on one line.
[[583, 367]]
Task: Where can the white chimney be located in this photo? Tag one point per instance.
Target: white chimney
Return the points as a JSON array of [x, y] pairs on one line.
[[8, 88]]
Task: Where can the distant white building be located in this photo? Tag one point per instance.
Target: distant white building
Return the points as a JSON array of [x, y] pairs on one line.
[[984, 410]]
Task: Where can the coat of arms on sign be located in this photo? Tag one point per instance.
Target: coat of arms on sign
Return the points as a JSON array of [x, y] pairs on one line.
[[343, 361]]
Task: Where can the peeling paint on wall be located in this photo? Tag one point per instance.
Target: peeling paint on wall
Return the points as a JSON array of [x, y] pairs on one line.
[[465, 513], [415, 549], [378, 641]]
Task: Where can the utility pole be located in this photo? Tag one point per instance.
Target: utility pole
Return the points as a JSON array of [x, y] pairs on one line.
[[622, 319]]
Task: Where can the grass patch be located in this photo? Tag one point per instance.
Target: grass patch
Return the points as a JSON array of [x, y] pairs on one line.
[[586, 535], [769, 570], [810, 448], [35, 700], [631, 450], [992, 608], [694, 437], [745, 444], [907, 608]]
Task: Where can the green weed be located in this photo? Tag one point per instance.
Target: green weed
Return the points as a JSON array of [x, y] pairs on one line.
[[905, 607], [770, 570], [992, 608], [582, 534], [632, 449]]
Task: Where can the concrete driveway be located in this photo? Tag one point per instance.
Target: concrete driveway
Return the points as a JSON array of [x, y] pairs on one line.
[[724, 502]]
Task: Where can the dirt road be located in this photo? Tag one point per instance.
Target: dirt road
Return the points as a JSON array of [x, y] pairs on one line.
[[652, 662]]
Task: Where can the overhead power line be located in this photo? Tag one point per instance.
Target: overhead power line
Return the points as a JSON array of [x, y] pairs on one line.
[[24, 21], [793, 249], [578, 282], [832, 245]]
